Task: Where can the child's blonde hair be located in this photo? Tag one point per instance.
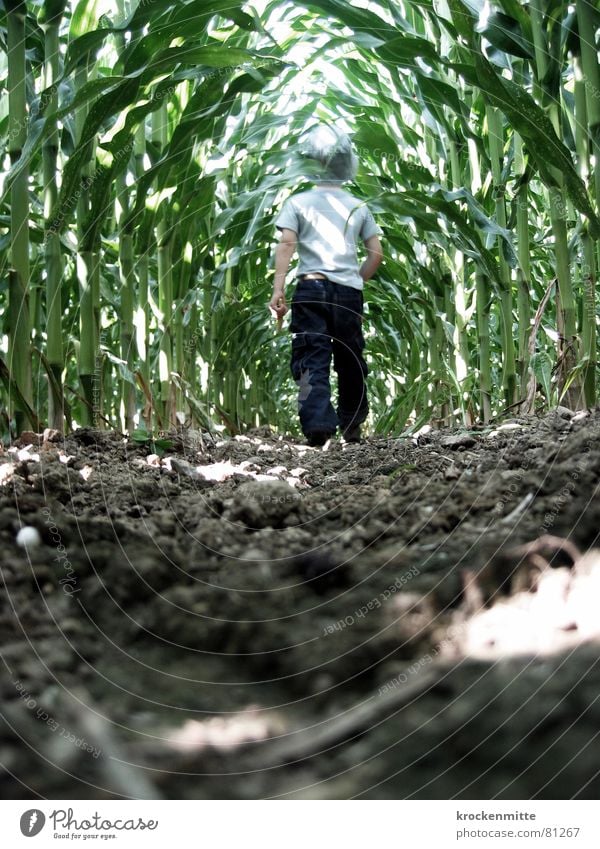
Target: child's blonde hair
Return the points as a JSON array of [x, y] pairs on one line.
[[332, 149]]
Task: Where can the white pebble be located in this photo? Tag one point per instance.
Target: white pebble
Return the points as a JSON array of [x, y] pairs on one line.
[[28, 537]]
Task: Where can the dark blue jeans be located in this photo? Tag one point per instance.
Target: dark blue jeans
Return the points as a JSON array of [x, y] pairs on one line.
[[326, 321]]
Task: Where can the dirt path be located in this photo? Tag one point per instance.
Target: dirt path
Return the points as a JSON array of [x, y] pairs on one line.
[[410, 618]]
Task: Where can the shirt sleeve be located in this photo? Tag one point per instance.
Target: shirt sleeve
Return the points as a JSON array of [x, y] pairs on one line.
[[369, 226], [288, 217]]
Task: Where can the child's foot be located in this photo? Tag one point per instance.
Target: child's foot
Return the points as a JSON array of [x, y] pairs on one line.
[[352, 434], [318, 438]]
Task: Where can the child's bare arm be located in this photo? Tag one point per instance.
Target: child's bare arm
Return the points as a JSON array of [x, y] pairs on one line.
[[283, 255], [374, 257]]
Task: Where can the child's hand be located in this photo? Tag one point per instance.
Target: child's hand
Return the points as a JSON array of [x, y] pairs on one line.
[[278, 306]]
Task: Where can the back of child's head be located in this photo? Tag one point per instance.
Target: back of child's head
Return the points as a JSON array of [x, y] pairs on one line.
[[332, 150]]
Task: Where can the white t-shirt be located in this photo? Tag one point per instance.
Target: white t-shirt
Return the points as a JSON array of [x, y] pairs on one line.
[[328, 222]]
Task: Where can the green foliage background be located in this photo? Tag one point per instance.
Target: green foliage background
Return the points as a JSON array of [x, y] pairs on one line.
[[149, 146]]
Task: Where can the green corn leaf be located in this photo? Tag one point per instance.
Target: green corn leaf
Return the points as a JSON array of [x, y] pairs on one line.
[[506, 34], [541, 364]]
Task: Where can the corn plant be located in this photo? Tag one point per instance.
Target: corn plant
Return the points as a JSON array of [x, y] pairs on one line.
[[149, 146]]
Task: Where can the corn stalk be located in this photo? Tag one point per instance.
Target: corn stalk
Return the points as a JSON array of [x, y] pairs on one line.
[[19, 358]]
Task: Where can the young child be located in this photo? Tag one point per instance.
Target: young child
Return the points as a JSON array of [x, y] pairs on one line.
[[325, 224]]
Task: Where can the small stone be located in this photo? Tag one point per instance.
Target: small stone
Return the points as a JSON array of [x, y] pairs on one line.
[[255, 554], [7, 470], [580, 416], [504, 428], [27, 454], [461, 440], [28, 537]]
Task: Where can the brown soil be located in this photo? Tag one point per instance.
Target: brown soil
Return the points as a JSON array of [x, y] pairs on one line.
[[407, 618]]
